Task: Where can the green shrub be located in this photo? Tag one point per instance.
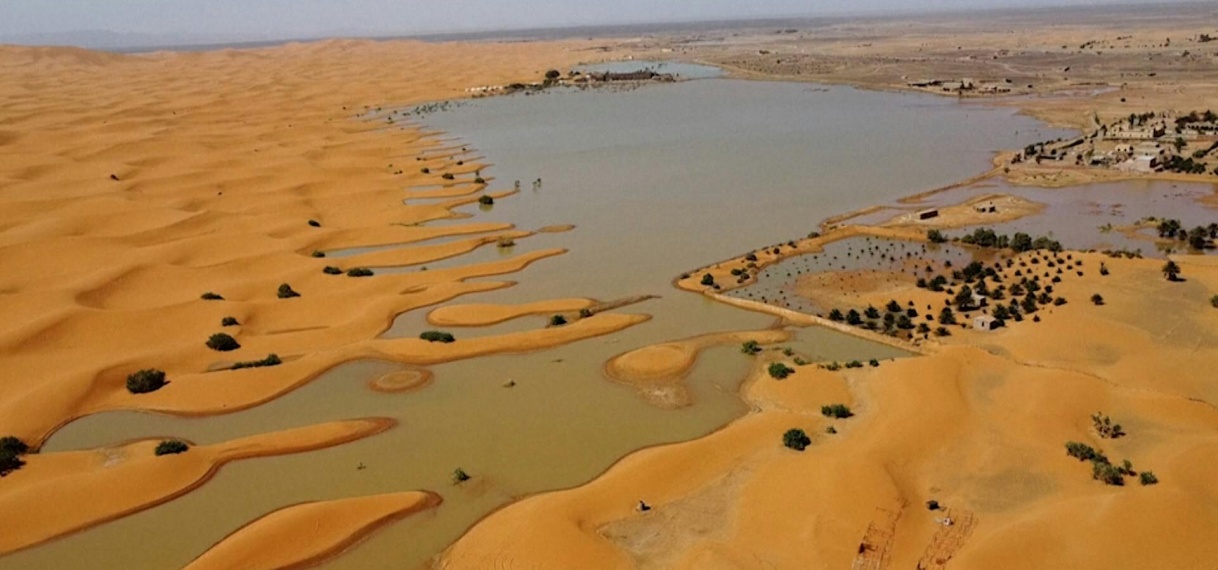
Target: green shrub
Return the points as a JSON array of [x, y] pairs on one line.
[[437, 336], [558, 321], [839, 411], [13, 445], [750, 347], [425, 170], [708, 280], [796, 439], [459, 476], [1147, 478], [874, 363], [222, 342], [359, 272], [209, 296], [331, 270], [1084, 452], [1214, 301], [779, 371], [486, 200], [9, 462], [836, 315], [1097, 299], [932, 505], [286, 292], [270, 360], [854, 364], [942, 331], [830, 430], [479, 180], [447, 176], [1107, 473], [315, 223], [145, 381], [800, 361], [585, 313], [171, 447], [936, 236], [229, 322], [318, 253]]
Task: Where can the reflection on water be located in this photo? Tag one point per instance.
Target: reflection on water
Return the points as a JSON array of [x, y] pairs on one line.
[[658, 181]]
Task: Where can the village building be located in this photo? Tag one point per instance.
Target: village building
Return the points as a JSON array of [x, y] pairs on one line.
[[986, 323]]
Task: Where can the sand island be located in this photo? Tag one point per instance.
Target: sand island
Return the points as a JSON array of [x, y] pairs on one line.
[[878, 292]]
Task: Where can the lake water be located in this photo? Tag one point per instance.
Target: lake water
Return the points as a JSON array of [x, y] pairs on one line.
[[658, 180]]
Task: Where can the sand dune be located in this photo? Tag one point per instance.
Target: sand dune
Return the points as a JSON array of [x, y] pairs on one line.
[[978, 425], [59, 493], [305, 535]]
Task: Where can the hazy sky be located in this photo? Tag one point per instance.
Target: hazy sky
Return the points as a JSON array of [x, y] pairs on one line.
[[296, 18]]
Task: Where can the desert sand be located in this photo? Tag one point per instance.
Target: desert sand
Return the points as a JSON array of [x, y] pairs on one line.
[[306, 535], [133, 184]]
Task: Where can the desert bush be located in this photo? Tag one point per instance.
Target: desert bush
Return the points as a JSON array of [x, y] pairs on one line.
[[1097, 299], [331, 270], [171, 447], [504, 242], [585, 313], [145, 381], [558, 321], [779, 371], [486, 200], [839, 411], [209, 296], [1214, 301], [447, 176], [750, 347], [9, 462], [229, 322], [425, 170], [1106, 472], [1103, 425], [1084, 452], [437, 336], [836, 314], [359, 272], [854, 364], [854, 318], [222, 342], [942, 331], [315, 223], [286, 292], [1147, 478], [479, 180], [874, 363], [936, 236], [270, 360], [932, 505], [872, 312], [13, 445], [459, 476], [796, 439], [318, 253], [708, 279], [1171, 270], [947, 317]]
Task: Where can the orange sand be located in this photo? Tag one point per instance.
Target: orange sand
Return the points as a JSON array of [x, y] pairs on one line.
[[58, 493], [308, 534]]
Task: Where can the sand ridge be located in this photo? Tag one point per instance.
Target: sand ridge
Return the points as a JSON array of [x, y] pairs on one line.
[[66, 491], [308, 534]]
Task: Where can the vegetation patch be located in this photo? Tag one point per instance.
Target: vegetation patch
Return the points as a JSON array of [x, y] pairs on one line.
[[286, 292], [486, 200], [359, 272], [171, 447], [331, 270], [796, 439], [145, 381], [839, 411], [437, 336], [229, 322], [222, 342], [209, 296], [270, 360], [780, 371]]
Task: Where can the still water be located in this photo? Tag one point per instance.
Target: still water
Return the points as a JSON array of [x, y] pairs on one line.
[[658, 180]]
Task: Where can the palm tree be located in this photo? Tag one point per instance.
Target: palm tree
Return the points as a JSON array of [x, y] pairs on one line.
[[1171, 271]]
